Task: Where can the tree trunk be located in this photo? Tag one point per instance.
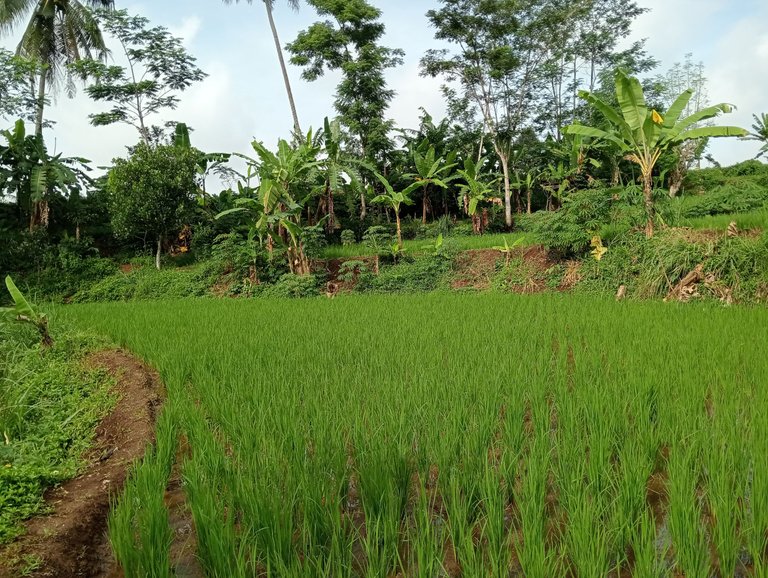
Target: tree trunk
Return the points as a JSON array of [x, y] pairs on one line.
[[40, 104], [399, 234], [507, 189], [363, 207], [331, 212], [424, 207], [528, 199], [283, 68], [648, 197], [40, 209], [159, 251], [297, 260]]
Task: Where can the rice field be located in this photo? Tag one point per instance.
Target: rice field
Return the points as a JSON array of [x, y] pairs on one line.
[[744, 221], [449, 435]]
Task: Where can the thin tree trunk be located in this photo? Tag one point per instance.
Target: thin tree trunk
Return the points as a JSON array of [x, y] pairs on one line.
[[283, 68], [528, 193], [40, 211], [159, 251], [424, 207], [648, 196], [399, 234], [40, 105], [507, 188], [331, 211]]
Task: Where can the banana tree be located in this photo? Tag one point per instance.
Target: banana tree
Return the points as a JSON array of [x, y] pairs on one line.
[[527, 185], [283, 191], [643, 134], [395, 199], [24, 312], [337, 164], [430, 170], [474, 191], [33, 177]]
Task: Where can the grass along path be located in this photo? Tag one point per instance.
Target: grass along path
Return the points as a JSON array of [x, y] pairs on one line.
[[367, 436]]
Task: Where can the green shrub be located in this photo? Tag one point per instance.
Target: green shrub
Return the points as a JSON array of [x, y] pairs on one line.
[[49, 407], [609, 213], [730, 198], [422, 273], [351, 270], [348, 237], [150, 284], [650, 268], [293, 287]]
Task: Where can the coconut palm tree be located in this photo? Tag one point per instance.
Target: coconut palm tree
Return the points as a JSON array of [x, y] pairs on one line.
[[643, 134], [58, 33], [760, 133], [269, 5]]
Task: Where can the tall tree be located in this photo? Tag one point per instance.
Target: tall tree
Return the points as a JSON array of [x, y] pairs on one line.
[[17, 98], [497, 65], [682, 76], [158, 68], [269, 7], [587, 45], [349, 42], [59, 32]]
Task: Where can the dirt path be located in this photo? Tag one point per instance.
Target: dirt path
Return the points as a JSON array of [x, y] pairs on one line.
[[72, 540]]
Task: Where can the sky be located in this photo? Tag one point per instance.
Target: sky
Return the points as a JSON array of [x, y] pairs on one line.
[[243, 98]]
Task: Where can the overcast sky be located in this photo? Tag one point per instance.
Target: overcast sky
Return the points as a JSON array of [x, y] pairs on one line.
[[243, 98]]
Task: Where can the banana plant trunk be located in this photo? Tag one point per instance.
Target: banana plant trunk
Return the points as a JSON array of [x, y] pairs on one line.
[[424, 205], [283, 68], [399, 233], [648, 198], [298, 262]]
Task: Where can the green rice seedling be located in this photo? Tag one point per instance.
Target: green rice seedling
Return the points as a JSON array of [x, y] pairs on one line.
[[586, 539], [634, 468], [139, 529], [425, 542], [535, 556], [689, 536], [727, 476], [757, 500], [649, 555]]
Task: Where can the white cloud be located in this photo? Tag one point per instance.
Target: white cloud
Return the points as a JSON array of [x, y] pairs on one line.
[[412, 93], [188, 29]]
